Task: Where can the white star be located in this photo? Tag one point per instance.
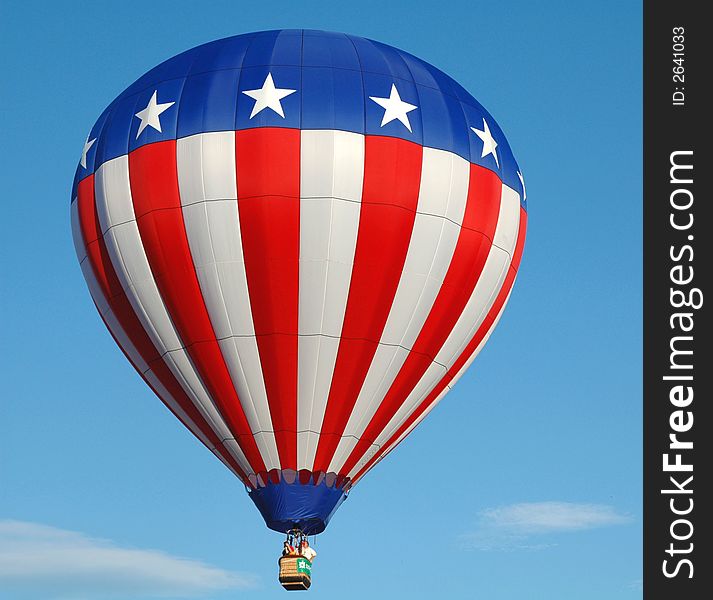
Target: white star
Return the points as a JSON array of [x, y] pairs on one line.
[[88, 144], [522, 183], [150, 115], [268, 96], [489, 144], [394, 108]]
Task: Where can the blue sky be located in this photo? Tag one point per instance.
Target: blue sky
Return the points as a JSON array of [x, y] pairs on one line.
[[104, 495]]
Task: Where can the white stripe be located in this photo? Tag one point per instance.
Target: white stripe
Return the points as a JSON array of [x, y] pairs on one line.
[[508, 221], [448, 388], [212, 167], [164, 395], [123, 244], [505, 239], [441, 205], [122, 339], [95, 290], [331, 178], [475, 311], [77, 231], [480, 346], [207, 184]]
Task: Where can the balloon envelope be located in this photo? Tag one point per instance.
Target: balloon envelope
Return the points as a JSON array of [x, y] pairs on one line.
[[300, 240]]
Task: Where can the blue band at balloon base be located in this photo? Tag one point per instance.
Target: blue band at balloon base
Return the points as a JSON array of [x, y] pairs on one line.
[[308, 507]]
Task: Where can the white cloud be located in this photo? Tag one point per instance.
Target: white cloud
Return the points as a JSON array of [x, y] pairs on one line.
[[514, 526], [42, 561], [543, 517]]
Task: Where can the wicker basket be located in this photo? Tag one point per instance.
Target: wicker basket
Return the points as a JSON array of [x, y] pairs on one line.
[[295, 572]]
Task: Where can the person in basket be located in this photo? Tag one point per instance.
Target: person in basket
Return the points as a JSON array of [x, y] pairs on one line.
[[288, 549], [307, 551]]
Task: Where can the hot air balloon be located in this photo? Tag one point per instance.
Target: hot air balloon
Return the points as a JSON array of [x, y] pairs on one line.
[[300, 240]]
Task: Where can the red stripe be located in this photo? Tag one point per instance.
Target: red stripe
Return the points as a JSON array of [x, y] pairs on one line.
[[465, 355], [157, 205], [471, 252], [120, 306], [215, 446], [268, 176], [392, 175], [520, 244]]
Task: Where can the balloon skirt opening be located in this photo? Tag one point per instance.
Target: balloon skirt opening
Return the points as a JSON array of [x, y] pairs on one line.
[[304, 506]]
